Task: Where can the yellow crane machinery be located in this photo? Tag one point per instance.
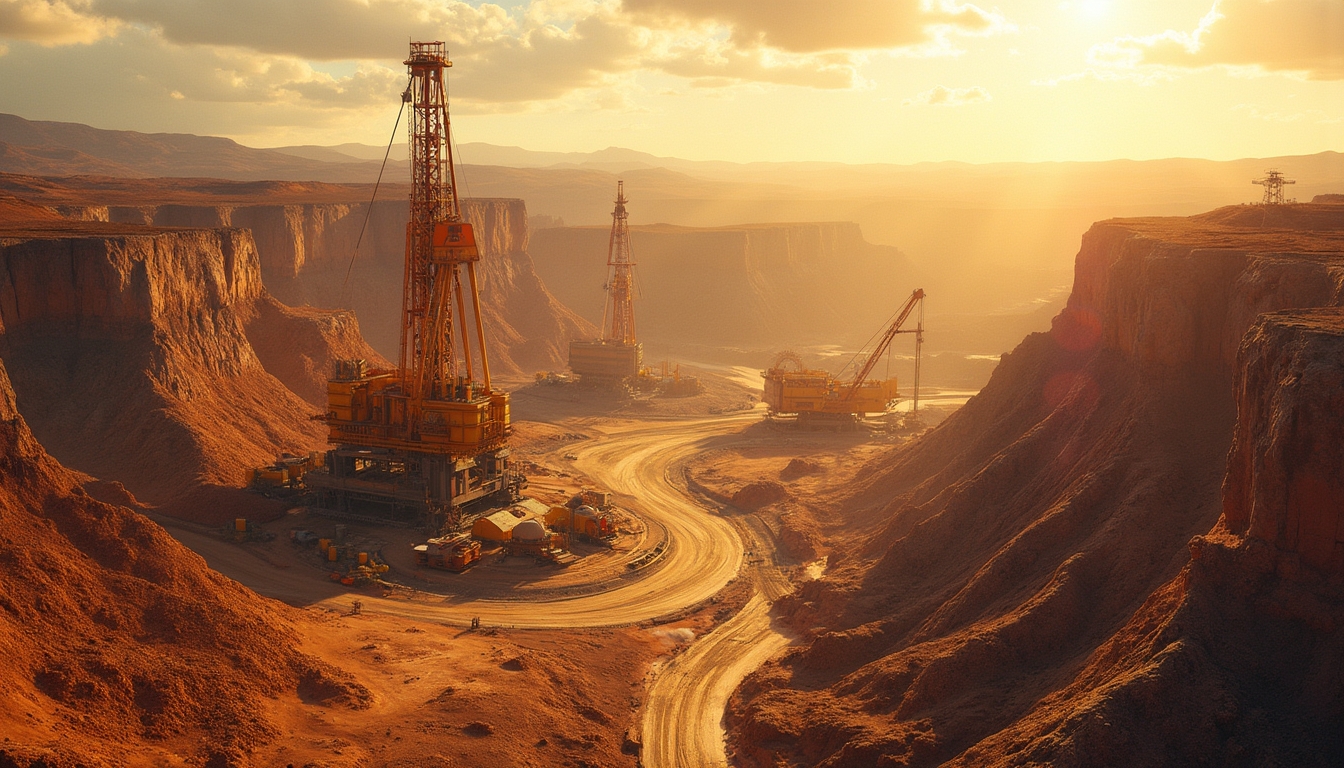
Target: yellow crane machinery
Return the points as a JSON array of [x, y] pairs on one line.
[[792, 389], [417, 443]]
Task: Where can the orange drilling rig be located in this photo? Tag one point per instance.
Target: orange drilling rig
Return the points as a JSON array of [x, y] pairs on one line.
[[617, 357], [816, 398], [417, 443]]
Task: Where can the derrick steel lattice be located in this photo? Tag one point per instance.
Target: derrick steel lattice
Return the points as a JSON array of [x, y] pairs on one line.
[[620, 307], [436, 346]]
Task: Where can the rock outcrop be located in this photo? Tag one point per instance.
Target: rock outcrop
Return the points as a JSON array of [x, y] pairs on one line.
[[118, 641], [1235, 661], [1285, 478], [132, 354], [1017, 585], [306, 236]]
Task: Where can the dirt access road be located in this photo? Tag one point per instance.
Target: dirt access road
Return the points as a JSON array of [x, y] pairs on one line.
[[640, 462], [683, 714], [636, 461]]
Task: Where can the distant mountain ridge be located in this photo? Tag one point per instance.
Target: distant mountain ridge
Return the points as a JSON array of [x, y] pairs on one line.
[[42, 148]]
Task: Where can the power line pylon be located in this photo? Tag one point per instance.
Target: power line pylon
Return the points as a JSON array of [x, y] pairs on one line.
[[1273, 184]]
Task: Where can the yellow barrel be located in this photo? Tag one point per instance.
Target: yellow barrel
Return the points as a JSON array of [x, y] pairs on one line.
[[331, 554], [240, 524], [363, 558], [322, 544]]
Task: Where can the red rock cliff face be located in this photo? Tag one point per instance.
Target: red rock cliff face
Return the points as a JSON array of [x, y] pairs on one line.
[[1012, 576], [131, 353], [1285, 478], [306, 252], [761, 284]]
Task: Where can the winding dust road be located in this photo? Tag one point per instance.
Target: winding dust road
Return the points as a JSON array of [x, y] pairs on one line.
[[685, 703]]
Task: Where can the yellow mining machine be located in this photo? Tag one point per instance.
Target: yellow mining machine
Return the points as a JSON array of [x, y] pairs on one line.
[[415, 444], [616, 358], [816, 398]]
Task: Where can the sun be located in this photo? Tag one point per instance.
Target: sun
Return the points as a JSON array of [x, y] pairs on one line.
[[1093, 9]]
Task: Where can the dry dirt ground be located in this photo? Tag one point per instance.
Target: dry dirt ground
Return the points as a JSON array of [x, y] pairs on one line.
[[444, 696]]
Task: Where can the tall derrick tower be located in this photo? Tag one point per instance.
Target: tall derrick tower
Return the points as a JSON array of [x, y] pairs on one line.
[[620, 307], [419, 443], [616, 357]]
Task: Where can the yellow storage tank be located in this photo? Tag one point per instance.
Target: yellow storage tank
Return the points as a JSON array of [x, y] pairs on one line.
[[240, 524], [332, 552]]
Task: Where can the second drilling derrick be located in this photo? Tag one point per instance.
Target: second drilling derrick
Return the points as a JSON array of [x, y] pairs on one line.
[[617, 357], [418, 444]]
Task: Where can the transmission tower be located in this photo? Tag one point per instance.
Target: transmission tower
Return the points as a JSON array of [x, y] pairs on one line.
[[1273, 184]]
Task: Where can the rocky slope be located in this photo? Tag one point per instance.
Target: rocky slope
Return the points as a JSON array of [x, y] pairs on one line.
[[306, 235], [1017, 586], [118, 641], [141, 355], [763, 284]]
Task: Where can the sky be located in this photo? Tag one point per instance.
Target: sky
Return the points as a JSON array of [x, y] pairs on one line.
[[855, 81]]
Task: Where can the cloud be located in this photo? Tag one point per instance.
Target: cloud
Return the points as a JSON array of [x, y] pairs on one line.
[[318, 30], [50, 22], [941, 96], [125, 60], [547, 62], [1296, 36], [714, 64], [808, 26], [1317, 116]]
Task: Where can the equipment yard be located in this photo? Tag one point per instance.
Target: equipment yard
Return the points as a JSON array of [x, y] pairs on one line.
[[670, 476]]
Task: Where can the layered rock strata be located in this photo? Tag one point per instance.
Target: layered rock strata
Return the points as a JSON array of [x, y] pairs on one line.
[[1022, 589], [309, 257], [132, 353], [814, 283]]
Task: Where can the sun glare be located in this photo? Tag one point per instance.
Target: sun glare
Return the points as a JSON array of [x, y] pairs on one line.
[[1094, 9]]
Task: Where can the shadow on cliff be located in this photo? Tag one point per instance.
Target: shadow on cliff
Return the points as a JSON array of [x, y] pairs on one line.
[[983, 575]]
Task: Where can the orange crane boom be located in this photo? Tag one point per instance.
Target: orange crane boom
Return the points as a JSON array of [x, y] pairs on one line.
[[915, 298]]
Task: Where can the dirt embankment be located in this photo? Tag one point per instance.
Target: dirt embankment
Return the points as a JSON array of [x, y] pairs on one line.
[[156, 358], [1007, 577], [754, 284], [117, 641], [306, 234]]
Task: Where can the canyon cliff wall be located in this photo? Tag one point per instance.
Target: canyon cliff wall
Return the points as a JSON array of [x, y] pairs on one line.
[[1011, 573], [117, 641], [1285, 477], [761, 285], [132, 354], [306, 259]]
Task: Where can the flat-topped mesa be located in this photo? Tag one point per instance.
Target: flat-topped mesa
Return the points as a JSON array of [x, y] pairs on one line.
[[1179, 293], [294, 237], [1034, 550], [156, 358], [188, 289], [306, 251], [746, 284], [1285, 483]]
